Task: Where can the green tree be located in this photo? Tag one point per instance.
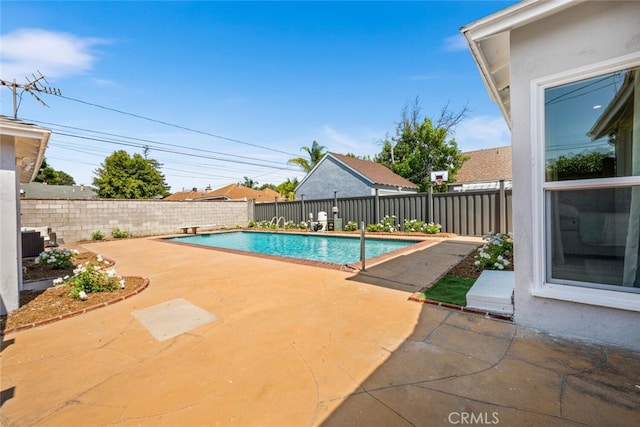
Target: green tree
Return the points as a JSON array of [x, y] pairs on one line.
[[49, 175], [129, 177], [288, 188], [265, 186], [422, 146], [248, 182], [316, 152]]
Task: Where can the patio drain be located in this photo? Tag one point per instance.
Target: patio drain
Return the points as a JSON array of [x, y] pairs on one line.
[[173, 318]]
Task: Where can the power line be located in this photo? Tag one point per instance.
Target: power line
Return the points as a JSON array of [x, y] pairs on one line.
[[73, 147], [53, 125], [138, 116], [128, 144]]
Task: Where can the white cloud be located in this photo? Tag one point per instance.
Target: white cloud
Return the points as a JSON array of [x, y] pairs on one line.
[[479, 132], [54, 54], [335, 139], [342, 143], [455, 43]]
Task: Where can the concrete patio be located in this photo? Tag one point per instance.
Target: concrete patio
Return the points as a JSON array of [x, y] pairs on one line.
[[225, 339]]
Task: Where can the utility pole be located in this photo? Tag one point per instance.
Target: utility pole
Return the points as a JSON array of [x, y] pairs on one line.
[[32, 85]]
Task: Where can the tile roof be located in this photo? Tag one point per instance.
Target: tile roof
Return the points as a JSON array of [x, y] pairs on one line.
[[491, 164], [229, 192], [373, 171]]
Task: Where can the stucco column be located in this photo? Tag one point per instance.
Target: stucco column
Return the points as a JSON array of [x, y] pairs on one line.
[[10, 261]]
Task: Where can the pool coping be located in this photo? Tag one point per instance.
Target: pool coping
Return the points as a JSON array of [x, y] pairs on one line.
[[421, 243]]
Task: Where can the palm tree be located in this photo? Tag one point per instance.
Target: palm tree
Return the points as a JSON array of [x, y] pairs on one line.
[[248, 182], [316, 153]]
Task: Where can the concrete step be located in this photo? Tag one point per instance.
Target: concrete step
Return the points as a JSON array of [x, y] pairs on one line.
[[492, 292]]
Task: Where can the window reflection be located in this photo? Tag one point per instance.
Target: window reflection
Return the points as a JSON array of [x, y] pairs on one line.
[[589, 128]]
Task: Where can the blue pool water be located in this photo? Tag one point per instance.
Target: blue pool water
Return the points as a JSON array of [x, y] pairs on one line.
[[312, 247]]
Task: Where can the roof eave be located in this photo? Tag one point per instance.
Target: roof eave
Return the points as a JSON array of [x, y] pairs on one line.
[[491, 30], [27, 132]]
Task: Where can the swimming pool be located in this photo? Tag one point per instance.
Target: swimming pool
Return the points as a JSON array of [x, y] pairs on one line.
[[311, 247]]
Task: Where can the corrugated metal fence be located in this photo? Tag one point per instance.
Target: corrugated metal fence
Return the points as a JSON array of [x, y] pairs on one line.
[[469, 213]]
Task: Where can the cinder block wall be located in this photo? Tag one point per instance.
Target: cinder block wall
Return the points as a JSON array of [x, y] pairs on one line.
[[75, 220]]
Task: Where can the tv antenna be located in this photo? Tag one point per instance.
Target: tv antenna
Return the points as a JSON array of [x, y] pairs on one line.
[[33, 84]]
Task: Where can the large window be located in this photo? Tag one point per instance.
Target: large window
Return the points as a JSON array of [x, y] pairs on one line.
[[591, 188]]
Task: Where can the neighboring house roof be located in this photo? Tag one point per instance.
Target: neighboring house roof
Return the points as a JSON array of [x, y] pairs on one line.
[[489, 37], [30, 142], [491, 164], [374, 172], [38, 190], [229, 192]]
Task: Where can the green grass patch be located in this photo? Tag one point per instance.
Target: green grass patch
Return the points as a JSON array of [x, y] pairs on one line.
[[450, 289]]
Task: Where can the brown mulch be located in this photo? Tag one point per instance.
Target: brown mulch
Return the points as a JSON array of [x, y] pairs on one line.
[[33, 271], [55, 301]]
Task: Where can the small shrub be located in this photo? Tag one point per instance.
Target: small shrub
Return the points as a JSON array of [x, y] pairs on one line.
[[351, 226], [289, 225], [303, 225], [57, 258], [493, 254], [387, 224], [415, 226], [238, 226], [373, 228], [253, 224], [432, 228], [116, 233], [92, 277], [97, 235]]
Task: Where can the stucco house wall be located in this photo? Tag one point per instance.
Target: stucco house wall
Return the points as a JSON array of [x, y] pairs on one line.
[[350, 177], [331, 176], [584, 34]]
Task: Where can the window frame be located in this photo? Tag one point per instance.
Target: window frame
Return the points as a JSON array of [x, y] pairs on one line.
[[540, 231]]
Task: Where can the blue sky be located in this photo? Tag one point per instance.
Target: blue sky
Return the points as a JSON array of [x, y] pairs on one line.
[[223, 90]]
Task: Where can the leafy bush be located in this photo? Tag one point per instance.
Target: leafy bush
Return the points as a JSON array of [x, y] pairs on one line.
[[57, 258], [119, 234], [253, 224], [415, 226], [387, 224], [351, 226], [289, 225], [493, 254], [92, 277], [432, 228], [97, 235], [303, 225], [374, 227]]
